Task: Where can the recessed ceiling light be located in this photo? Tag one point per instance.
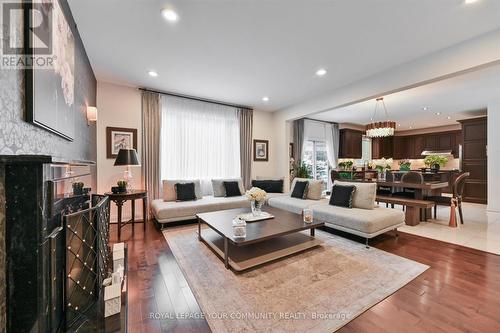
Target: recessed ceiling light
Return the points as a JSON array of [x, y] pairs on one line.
[[438, 113], [425, 108], [449, 117], [265, 99], [411, 127], [468, 2], [153, 73], [169, 14], [399, 125], [321, 72]]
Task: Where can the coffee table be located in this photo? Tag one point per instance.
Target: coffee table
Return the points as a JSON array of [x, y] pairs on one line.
[[265, 240]]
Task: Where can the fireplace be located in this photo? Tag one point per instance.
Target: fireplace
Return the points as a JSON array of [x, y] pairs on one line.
[[39, 203]]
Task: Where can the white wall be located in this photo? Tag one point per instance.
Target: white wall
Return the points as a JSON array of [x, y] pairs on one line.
[[263, 130], [493, 156], [118, 106]]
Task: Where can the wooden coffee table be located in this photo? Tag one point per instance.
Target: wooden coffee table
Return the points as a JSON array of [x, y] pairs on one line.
[[265, 240]]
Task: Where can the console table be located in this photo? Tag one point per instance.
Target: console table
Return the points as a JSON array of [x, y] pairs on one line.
[[120, 198]]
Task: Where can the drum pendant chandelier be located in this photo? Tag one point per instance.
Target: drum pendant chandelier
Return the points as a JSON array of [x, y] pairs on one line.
[[381, 128]]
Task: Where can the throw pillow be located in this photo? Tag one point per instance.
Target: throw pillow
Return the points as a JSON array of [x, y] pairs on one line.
[[315, 189], [218, 186], [300, 190], [270, 186], [185, 191], [232, 189], [364, 196], [169, 193], [342, 195]]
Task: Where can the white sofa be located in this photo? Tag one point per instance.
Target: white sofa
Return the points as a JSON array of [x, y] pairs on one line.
[[364, 222], [167, 209]]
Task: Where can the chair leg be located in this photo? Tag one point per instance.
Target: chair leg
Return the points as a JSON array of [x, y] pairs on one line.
[[460, 212], [366, 244], [392, 206], [386, 205], [435, 212]]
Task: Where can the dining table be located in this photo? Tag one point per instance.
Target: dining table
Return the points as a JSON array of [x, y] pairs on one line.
[[422, 190]]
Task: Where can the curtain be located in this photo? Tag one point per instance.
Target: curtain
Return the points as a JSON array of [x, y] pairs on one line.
[[246, 125], [332, 143], [150, 159], [199, 140], [298, 139]]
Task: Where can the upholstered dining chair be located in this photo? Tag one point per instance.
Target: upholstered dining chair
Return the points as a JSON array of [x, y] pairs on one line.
[[386, 190], [458, 190], [412, 177], [334, 175]]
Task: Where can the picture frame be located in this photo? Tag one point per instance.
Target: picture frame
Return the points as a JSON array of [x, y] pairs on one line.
[[55, 113], [120, 138], [290, 150], [261, 150]]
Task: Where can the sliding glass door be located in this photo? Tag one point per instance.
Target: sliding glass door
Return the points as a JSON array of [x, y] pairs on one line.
[[316, 161]]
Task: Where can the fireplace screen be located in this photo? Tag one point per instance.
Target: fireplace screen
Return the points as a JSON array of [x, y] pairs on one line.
[[87, 254]]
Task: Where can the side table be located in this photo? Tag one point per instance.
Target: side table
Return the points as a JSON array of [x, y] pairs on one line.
[[120, 198]]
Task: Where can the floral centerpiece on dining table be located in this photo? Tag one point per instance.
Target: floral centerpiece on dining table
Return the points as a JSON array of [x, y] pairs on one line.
[[382, 165], [257, 197]]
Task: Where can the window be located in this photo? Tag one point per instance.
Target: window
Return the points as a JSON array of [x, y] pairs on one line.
[[199, 140], [316, 161]]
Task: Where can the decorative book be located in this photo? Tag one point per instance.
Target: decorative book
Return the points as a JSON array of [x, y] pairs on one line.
[[251, 218]]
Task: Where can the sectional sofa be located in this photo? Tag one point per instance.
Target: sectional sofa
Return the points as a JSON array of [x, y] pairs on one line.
[[365, 219], [168, 209]]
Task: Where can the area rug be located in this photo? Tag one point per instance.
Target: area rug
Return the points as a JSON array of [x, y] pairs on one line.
[[319, 290]]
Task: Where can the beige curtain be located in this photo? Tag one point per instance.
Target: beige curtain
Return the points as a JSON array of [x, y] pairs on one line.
[[246, 124], [151, 126]]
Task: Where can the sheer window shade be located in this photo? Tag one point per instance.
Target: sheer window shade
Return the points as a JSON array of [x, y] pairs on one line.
[[199, 140]]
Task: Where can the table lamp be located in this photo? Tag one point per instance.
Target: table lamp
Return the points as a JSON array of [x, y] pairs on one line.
[[128, 158]]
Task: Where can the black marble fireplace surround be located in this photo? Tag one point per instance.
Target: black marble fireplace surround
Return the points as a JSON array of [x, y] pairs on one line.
[[36, 198]]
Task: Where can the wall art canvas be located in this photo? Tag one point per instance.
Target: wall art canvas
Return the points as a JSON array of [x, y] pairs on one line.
[[261, 150], [120, 138], [50, 81]]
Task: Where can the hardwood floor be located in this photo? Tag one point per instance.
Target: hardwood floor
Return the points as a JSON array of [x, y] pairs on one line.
[[459, 293]]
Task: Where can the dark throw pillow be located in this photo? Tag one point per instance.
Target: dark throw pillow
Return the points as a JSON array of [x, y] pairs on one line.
[[185, 192], [300, 190], [270, 186], [232, 189], [342, 195]]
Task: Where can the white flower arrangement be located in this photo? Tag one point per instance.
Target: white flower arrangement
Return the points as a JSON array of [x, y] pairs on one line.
[[256, 194]]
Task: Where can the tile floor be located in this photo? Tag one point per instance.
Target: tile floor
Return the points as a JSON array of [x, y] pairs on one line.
[[481, 229]]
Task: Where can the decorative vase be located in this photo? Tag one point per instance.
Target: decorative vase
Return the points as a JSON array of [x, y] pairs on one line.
[[239, 228], [257, 207], [381, 176]]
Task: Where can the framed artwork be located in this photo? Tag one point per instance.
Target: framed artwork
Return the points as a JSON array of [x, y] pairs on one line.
[[50, 88], [290, 150], [261, 150], [120, 138]]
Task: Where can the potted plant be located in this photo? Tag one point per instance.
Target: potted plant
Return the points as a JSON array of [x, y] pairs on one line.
[[78, 188], [349, 164], [122, 186], [435, 162], [301, 171], [341, 165], [405, 165]]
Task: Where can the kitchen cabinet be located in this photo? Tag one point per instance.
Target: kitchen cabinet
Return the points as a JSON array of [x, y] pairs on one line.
[[350, 143], [412, 146], [474, 159], [382, 147]]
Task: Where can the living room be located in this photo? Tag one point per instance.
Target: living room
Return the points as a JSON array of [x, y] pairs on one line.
[[192, 166]]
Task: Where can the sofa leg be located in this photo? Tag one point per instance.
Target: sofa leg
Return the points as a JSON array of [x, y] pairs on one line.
[[396, 232], [366, 244]]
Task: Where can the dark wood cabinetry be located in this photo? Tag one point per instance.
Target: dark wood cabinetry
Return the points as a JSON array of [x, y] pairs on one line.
[[474, 159], [412, 146], [382, 147], [350, 143]]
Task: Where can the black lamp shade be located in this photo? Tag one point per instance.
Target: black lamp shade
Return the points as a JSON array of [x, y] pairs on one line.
[[127, 157]]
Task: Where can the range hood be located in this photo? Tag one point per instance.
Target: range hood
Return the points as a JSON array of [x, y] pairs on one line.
[[436, 152]]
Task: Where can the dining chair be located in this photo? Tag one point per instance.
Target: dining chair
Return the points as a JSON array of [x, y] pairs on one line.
[[458, 190], [386, 190], [412, 177], [335, 175]]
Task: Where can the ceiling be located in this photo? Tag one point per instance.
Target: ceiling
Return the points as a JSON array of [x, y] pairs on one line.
[[460, 97], [240, 51]]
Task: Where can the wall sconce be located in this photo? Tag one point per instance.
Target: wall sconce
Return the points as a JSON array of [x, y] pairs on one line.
[[91, 114]]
